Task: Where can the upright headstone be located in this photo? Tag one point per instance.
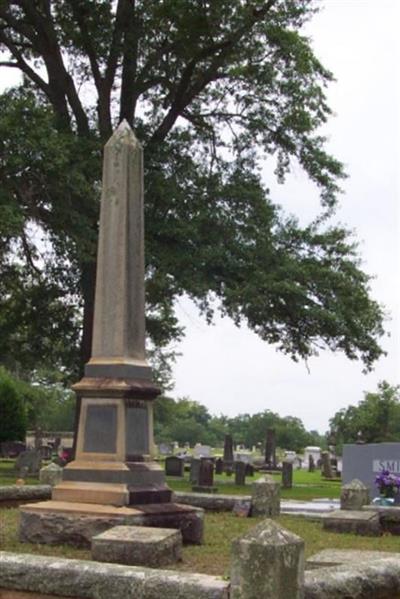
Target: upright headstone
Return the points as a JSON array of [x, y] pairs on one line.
[[267, 562], [249, 470], [270, 448], [311, 463], [240, 473], [327, 471], [206, 477], [287, 475], [228, 450], [219, 466], [174, 466], [194, 471], [115, 435], [28, 463]]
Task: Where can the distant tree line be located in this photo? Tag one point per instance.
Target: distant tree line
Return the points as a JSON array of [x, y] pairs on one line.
[[51, 407]]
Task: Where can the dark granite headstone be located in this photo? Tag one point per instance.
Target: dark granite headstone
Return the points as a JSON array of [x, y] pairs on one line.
[[206, 473], [365, 461], [101, 429], [45, 452], [311, 463], [249, 470], [287, 475], [219, 466], [174, 466], [270, 448], [327, 471], [240, 473], [228, 449]]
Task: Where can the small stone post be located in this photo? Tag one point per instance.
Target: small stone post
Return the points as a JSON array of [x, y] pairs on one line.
[[268, 563], [287, 475], [311, 463], [265, 497], [354, 495], [51, 474]]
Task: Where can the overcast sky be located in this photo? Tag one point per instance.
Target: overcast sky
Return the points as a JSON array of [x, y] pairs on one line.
[[231, 370]]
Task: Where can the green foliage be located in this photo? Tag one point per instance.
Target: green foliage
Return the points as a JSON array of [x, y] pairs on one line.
[[376, 417], [211, 89], [12, 410], [187, 421]]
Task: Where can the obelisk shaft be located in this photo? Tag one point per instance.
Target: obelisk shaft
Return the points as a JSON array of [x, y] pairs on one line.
[[118, 347]]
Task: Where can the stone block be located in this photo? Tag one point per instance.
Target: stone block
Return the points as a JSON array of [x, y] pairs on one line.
[[345, 557], [72, 523], [138, 545], [88, 492], [354, 495], [267, 562], [265, 497], [353, 521], [51, 474]]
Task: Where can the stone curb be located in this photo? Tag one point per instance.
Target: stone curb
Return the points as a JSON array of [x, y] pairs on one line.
[[24, 492], [209, 501], [92, 580], [371, 580]]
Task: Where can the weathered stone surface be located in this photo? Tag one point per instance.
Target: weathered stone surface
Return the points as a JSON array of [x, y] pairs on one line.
[[265, 497], [353, 521], [24, 493], [138, 545], [94, 580], [389, 517], [208, 501], [240, 473], [28, 462], [345, 557], [75, 524], [372, 580], [267, 562], [287, 475], [51, 474], [354, 495], [327, 471]]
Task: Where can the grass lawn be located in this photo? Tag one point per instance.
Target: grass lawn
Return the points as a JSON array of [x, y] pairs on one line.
[[220, 529], [8, 476], [306, 485]]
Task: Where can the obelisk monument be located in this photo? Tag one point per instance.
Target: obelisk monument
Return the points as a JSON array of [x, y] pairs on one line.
[[115, 435]]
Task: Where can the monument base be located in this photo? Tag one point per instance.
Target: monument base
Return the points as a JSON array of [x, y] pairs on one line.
[[72, 523]]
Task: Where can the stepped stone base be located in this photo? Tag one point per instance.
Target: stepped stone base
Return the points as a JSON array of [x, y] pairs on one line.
[[85, 492], [73, 523]]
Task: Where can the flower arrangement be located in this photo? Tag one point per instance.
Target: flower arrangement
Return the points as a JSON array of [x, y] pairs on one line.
[[387, 483]]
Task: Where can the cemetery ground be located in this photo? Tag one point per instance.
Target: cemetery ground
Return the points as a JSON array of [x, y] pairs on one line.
[[220, 530]]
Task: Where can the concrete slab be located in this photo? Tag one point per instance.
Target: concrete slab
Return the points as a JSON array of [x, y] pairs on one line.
[[352, 521], [338, 557]]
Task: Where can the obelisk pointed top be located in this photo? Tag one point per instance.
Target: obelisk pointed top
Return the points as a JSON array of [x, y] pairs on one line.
[[123, 133]]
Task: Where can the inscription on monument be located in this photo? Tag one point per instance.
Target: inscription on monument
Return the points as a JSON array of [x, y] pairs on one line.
[[101, 429], [137, 426]]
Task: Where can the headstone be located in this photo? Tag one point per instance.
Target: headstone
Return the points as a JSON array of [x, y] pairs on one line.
[[51, 474], [206, 477], [354, 495], [311, 463], [247, 458], [268, 561], [327, 471], [265, 497], [359, 522], [365, 461], [194, 471], [28, 463], [174, 466], [219, 466], [242, 508], [249, 470], [240, 473], [270, 448], [287, 475], [228, 449]]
